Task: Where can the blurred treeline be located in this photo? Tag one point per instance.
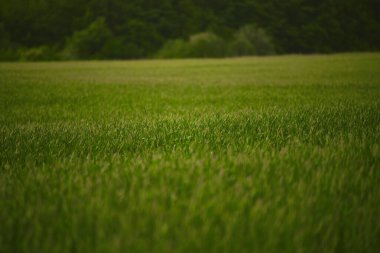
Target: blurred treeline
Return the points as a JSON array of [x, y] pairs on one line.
[[124, 29]]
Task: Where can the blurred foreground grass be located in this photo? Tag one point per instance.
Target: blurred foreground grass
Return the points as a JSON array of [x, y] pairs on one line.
[[274, 154]]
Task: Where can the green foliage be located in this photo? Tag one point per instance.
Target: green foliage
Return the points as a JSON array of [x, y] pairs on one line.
[[251, 40], [43, 53], [9, 54], [248, 40], [278, 154], [202, 45], [206, 44], [174, 49], [4, 37], [140, 28], [88, 43], [119, 48]]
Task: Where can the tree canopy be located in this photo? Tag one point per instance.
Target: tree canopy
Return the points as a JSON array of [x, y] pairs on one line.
[[140, 28]]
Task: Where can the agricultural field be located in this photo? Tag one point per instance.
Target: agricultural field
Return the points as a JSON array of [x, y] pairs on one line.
[[261, 154]]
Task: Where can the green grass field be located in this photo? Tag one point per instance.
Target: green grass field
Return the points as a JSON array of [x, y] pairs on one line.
[[274, 154]]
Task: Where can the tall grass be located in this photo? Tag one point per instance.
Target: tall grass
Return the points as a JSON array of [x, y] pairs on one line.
[[276, 154]]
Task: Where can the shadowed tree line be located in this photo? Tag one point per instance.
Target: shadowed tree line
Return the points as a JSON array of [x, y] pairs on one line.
[[121, 29]]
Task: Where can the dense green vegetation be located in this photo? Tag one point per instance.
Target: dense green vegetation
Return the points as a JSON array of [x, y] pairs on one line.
[[88, 29], [274, 154]]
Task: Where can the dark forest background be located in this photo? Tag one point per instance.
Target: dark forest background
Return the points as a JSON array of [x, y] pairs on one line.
[[124, 29]]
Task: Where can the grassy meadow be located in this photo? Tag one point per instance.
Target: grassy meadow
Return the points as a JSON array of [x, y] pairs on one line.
[[272, 154]]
